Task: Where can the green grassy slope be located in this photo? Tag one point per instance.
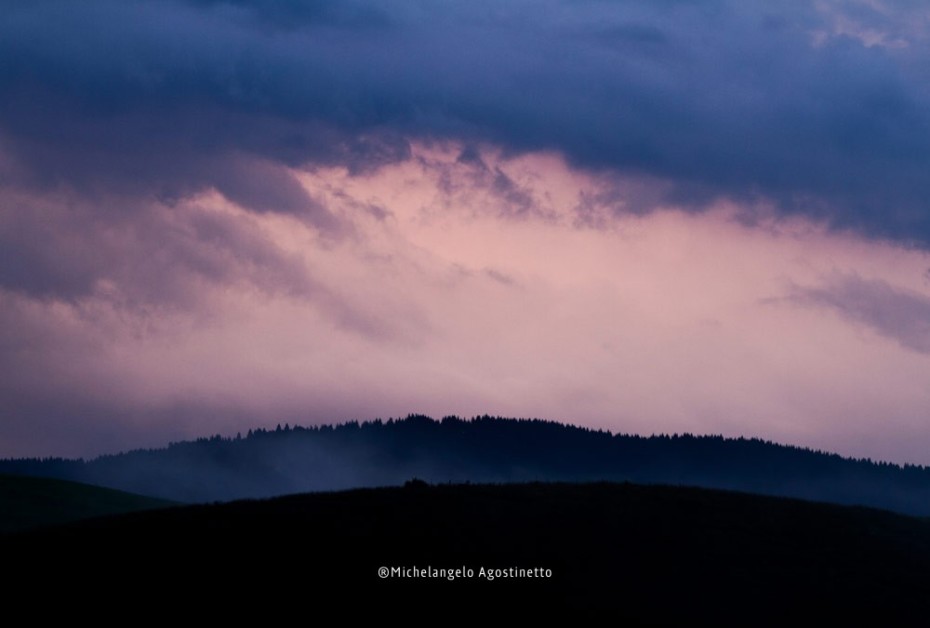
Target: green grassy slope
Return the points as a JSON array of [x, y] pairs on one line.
[[27, 502]]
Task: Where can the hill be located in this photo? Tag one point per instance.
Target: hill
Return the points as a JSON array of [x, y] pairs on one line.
[[636, 554], [292, 460], [27, 502]]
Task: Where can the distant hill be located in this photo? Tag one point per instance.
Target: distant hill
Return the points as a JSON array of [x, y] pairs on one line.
[[27, 502], [287, 460], [636, 554]]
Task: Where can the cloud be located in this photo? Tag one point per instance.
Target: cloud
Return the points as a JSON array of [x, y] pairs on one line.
[[549, 207], [155, 321], [155, 255], [899, 314], [720, 98]]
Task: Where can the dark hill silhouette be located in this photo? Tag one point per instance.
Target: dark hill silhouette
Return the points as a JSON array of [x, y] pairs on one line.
[[27, 502], [634, 554], [485, 449]]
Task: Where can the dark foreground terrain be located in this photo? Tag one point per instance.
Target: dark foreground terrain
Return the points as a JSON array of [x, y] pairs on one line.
[[628, 553]]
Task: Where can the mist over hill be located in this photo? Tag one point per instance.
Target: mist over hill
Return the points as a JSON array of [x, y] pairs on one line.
[[264, 463]]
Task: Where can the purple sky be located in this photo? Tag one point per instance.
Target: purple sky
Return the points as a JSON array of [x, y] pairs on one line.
[[642, 216]]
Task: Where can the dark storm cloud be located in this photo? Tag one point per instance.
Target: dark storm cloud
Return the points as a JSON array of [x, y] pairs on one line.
[[901, 315], [822, 107]]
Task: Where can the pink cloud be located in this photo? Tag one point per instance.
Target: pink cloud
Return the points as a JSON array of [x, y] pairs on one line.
[[440, 298]]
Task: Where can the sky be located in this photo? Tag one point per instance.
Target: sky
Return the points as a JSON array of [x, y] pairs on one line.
[[703, 216]]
